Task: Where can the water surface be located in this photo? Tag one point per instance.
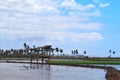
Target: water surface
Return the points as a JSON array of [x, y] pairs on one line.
[[16, 71]]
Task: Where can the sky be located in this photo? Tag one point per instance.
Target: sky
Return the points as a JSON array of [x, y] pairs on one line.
[[91, 25]]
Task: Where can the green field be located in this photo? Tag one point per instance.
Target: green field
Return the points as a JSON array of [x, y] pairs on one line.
[[14, 58], [101, 61], [78, 62]]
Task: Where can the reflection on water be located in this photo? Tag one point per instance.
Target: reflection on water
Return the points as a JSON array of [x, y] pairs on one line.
[[39, 66], [16, 71]]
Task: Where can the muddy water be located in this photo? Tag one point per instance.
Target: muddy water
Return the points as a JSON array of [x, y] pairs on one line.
[[16, 71]]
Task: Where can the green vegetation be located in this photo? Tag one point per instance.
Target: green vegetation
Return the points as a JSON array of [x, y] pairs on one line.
[[78, 62], [14, 58], [101, 59]]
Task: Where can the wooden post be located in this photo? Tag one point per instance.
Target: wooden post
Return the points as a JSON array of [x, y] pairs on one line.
[[37, 57], [31, 59], [42, 59]]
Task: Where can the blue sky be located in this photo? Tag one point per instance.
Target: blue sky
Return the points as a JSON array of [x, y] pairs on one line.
[[91, 25]]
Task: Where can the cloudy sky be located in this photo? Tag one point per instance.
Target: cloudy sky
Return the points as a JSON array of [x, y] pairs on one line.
[[91, 25]]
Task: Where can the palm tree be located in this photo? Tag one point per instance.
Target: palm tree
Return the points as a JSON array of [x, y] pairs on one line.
[[84, 52], [57, 50], [34, 46], [110, 52], [72, 52], [76, 51], [25, 45], [113, 52], [11, 50], [61, 51], [52, 50]]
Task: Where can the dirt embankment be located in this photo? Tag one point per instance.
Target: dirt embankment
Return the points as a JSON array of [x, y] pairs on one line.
[[112, 74]]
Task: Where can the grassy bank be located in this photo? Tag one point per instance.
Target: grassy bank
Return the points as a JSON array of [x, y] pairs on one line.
[[14, 58], [78, 62], [102, 59]]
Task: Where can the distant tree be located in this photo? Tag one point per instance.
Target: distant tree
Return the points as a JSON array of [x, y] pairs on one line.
[[110, 51], [63, 54], [11, 50], [34, 46], [61, 51], [2, 50], [84, 52], [113, 52], [28, 46], [109, 56], [0, 53], [57, 50], [72, 52], [76, 51], [52, 50], [25, 45]]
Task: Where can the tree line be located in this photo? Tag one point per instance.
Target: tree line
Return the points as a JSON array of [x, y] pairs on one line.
[[76, 52], [26, 52]]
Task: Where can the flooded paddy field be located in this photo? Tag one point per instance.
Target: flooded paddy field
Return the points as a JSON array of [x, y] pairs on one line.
[[18, 71]]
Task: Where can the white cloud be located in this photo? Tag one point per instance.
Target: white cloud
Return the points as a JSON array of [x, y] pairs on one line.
[[51, 19], [96, 1], [90, 6], [72, 4], [102, 5], [57, 36]]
